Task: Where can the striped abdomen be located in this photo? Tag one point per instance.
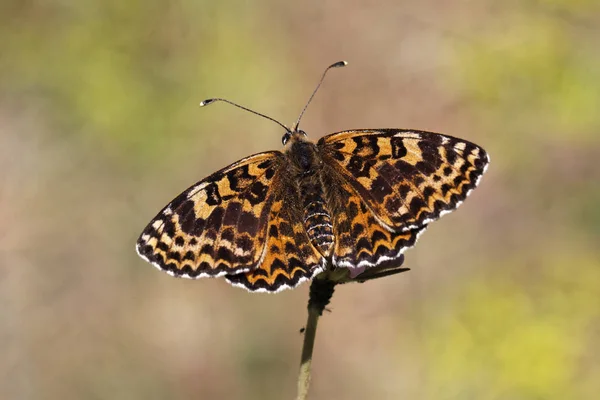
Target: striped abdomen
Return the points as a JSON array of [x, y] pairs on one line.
[[317, 219]]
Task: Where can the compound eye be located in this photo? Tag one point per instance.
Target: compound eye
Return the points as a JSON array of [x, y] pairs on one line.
[[302, 132], [286, 136]]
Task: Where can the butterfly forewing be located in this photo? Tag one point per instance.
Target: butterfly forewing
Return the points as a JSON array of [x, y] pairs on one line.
[[408, 178], [219, 225]]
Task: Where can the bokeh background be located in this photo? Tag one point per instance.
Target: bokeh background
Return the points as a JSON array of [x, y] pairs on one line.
[[100, 127]]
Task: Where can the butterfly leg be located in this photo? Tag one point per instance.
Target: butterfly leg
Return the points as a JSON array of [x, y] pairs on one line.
[[370, 275], [390, 267]]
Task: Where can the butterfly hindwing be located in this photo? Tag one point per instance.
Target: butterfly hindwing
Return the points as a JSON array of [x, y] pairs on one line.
[[219, 225], [361, 240], [289, 257], [408, 178]]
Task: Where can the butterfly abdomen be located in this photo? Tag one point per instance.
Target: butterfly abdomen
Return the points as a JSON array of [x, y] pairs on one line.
[[317, 218]]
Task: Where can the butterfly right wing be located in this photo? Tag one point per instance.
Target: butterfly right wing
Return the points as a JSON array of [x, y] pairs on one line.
[[361, 240], [407, 177], [219, 225]]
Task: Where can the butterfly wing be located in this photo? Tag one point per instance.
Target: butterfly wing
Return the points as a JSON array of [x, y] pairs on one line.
[[361, 239], [219, 225], [289, 257], [407, 178]]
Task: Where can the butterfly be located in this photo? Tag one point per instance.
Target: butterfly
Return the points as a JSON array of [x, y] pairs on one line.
[[352, 201]]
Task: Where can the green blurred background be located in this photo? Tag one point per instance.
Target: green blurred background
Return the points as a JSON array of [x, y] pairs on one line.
[[100, 127]]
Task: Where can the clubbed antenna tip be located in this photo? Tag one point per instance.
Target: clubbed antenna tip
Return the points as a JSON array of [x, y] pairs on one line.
[[339, 64], [207, 102]]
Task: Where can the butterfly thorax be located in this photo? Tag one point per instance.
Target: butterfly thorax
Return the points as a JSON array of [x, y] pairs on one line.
[[306, 162]]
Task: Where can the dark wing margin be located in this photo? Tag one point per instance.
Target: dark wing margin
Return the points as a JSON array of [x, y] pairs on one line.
[[218, 226], [407, 178]]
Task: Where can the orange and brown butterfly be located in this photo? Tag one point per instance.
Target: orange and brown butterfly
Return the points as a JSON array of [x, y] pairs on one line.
[[352, 201]]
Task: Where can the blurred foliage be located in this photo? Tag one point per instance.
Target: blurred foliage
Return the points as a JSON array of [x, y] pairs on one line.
[[100, 126], [532, 61], [519, 344], [130, 73]]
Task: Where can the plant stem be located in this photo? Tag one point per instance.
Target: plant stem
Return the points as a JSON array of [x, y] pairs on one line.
[[307, 350], [321, 290]]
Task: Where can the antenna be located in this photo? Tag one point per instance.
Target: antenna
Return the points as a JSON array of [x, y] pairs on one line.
[[210, 101], [338, 64]]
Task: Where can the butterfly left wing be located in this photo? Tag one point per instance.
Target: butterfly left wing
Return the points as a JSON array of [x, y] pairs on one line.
[[219, 225], [407, 178], [289, 257]]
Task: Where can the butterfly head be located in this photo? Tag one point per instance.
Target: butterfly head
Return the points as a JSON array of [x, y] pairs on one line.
[[294, 136]]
